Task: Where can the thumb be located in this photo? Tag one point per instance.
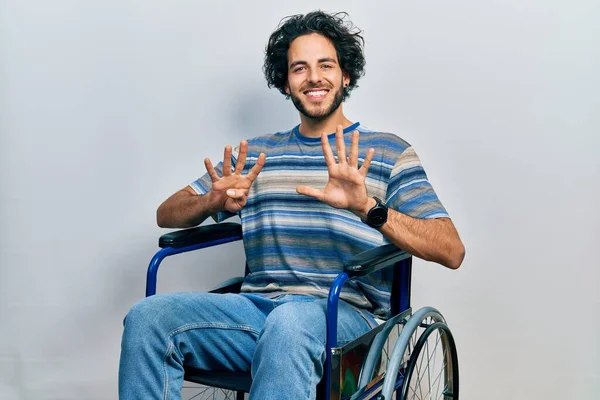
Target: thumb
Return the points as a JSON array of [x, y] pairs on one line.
[[235, 194], [309, 191]]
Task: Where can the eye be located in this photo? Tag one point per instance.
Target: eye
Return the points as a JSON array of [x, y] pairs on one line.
[[298, 69], [327, 66]]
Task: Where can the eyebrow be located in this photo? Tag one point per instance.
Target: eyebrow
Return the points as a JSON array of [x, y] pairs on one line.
[[321, 60]]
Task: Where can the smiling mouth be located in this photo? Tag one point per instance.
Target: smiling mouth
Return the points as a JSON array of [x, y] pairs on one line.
[[316, 94]]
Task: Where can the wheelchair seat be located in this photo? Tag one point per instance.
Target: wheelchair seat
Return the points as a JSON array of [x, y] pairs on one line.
[[234, 381]]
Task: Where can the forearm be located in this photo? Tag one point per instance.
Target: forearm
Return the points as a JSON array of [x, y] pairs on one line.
[[430, 239], [184, 209]]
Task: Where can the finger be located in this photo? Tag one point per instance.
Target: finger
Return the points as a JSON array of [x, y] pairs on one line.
[[312, 192], [327, 153], [240, 203], [254, 171], [211, 170], [236, 193], [353, 159], [227, 161], [367, 163], [340, 145], [235, 205], [241, 160]]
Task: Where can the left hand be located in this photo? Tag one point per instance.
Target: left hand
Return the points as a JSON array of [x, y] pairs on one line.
[[346, 186]]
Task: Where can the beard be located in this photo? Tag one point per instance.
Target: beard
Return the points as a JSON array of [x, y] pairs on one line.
[[318, 113]]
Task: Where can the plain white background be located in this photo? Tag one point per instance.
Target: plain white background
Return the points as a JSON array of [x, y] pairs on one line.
[[107, 107]]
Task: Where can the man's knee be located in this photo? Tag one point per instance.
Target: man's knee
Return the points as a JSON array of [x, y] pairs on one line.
[[151, 316]]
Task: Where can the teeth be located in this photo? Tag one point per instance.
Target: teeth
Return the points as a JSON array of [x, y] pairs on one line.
[[317, 93]]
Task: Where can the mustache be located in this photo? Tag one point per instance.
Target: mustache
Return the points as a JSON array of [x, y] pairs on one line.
[[309, 87]]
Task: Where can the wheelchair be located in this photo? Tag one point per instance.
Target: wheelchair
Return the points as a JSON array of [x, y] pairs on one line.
[[411, 355]]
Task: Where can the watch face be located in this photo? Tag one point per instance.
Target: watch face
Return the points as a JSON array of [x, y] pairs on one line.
[[378, 216]]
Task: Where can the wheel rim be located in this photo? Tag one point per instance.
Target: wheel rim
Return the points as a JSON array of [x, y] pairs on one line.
[[432, 370]]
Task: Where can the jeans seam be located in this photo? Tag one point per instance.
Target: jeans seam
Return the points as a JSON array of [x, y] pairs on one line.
[[323, 365], [213, 325], [187, 327], [167, 353]]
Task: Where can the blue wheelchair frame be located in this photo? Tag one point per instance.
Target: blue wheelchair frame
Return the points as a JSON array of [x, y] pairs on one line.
[[362, 264]]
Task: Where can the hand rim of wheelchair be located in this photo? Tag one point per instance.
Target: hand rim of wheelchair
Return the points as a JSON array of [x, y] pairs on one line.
[[391, 380]]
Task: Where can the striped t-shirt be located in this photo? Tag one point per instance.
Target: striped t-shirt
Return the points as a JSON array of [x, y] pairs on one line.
[[297, 244]]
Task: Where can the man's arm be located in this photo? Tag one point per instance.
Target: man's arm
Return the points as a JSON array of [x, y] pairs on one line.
[[430, 239], [186, 209], [434, 239]]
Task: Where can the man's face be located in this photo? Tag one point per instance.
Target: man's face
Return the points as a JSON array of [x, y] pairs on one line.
[[315, 79]]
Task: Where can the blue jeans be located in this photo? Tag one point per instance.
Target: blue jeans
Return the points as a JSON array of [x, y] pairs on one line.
[[281, 341]]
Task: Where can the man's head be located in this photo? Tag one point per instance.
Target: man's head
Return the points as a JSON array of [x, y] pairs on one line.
[[315, 59]]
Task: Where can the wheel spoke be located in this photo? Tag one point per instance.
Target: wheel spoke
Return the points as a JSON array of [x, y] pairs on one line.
[[413, 340], [416, 395], [200, 393], [227, 394], [208, 392], [434, 357], [428, 369], [419, 375], [424, 368], [439, 377], [417, 365]]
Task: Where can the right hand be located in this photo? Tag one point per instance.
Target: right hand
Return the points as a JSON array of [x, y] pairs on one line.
[[230, 192]]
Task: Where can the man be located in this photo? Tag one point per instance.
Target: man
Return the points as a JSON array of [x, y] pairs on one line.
[[304, 210]]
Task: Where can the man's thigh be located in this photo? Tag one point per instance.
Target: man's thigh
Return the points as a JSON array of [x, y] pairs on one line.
[[309, 315], [207, 330]]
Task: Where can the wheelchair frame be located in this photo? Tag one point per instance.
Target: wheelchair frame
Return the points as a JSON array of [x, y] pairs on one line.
[[187, 240]]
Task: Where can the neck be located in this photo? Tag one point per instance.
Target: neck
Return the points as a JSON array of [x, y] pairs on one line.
[[313, 128]]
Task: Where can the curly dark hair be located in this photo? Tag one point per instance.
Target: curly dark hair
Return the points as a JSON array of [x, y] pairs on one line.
[[345, 37]]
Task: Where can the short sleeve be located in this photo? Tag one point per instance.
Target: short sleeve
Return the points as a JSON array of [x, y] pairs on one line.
[[409, 190]]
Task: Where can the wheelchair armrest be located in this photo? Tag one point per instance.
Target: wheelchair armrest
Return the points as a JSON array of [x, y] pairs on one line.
[[374, 259], [186, 240], [199, 235]]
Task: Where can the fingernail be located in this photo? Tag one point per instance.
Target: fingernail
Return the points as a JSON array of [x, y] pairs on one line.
[[230, 192]]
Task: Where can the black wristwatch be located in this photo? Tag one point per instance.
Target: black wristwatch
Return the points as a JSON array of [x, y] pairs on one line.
[[377, 216]]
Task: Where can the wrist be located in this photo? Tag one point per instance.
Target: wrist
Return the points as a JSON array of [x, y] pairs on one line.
[[377, 213], [211, 204], [363, 212]]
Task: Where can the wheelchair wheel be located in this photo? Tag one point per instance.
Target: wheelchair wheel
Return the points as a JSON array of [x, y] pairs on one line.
[[424, 351], [192, 391], [432, 371]]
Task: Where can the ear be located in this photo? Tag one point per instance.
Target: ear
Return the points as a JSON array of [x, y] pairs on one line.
[[345, 79], [287, 88]]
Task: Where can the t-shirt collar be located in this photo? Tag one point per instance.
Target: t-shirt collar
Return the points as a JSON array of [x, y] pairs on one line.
[[311, 140]]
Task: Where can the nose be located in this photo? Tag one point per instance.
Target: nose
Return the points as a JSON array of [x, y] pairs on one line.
[[314, 75]]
